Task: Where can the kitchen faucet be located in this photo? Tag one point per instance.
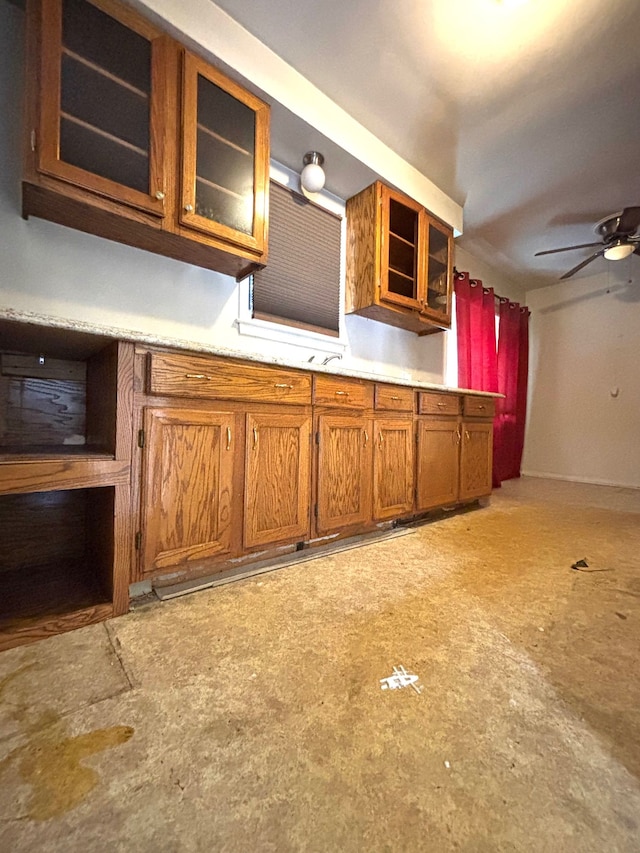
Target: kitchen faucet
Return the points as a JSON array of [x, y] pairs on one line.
[[329, 357]]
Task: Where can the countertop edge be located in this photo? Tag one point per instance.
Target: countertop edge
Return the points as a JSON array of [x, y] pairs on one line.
[[333, 369]]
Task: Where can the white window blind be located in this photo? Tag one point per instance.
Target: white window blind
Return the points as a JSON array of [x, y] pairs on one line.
[[301, 283]]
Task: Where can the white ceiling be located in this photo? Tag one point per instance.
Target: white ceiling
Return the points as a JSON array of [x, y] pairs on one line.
[[526, 112]]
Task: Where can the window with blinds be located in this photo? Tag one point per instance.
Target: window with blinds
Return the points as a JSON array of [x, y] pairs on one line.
[[300, 286]]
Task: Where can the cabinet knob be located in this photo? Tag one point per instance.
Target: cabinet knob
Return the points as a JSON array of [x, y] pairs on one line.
[[159, 195], [188, 208]]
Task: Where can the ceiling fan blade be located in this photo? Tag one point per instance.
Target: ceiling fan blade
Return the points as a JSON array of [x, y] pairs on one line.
[[567, 248], [629, 221], [583, 264]]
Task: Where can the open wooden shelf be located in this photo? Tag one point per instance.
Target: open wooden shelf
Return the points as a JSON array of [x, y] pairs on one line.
[[49, 599], [56, 562], [65, 459]]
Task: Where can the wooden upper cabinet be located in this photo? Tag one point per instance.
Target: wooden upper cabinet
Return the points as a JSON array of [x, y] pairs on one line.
[[225, 164], [103, 97], [132, 138], [399, 261]]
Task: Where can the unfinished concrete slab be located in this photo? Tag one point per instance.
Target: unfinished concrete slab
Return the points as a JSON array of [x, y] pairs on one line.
[[251, 716]]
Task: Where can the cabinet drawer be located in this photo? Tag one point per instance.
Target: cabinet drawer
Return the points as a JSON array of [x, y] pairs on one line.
[[479, 407], [393, 397], [434, 403], [178, 375], [338, 391]]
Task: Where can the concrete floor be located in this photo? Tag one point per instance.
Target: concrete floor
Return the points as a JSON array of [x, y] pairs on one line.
[[251, 717]]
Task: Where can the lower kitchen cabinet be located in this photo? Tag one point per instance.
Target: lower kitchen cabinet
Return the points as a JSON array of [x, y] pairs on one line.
[[277, 492], [476, 459], [344, 472], [187, 485], [454, 449], [392, 467], [438, 463], [233, 458]]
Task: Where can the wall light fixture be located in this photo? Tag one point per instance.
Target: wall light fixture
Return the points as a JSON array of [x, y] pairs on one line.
[[312, 177]]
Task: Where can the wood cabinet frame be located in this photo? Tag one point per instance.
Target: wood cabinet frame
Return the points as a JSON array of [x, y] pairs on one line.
[[368, 290], [48, 148], [155, 221], [257, 240], [95, 477]]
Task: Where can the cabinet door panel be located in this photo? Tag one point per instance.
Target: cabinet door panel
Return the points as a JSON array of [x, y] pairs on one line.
[[225, 152], [437, 463], [392, 467], [105, 78], [344, 472], [476, 460], [401, 264], [277, 478], [187, 486], [439, 262]]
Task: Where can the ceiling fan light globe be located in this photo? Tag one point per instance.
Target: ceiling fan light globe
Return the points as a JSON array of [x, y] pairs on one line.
[[618, 251]]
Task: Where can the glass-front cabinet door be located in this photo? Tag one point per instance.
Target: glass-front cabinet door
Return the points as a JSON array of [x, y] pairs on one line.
[[439, 271], [103, 66], [225, 170], [401, 280]]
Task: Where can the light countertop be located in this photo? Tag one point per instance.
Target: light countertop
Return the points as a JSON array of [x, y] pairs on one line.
[[334, 367]]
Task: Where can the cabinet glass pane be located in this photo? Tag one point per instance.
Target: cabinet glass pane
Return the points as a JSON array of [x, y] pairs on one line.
[[105, 96], [402, 260], [224, 158], [437, 297]]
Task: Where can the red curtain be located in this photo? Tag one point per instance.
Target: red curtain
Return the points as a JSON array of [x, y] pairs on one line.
[[484, 367], [476, 322], [511, 410]]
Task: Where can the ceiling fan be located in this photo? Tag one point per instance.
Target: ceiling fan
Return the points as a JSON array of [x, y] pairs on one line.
[[620, 238]]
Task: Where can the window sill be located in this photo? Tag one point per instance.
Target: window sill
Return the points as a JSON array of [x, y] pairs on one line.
[[290, 335]]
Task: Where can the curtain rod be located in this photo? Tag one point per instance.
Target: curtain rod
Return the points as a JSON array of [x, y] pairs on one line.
[[500, 299]]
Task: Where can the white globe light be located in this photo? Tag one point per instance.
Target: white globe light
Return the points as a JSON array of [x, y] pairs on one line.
[[312, 177]]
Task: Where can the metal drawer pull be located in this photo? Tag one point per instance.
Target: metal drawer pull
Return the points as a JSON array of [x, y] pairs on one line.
[[197, 376], [481, 408], [282, 385], [467, 434], [380, 438], [394, 397], [228, 438], [343, 393], [255, 437], [366, 438], [458, 436], [441, 405]]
